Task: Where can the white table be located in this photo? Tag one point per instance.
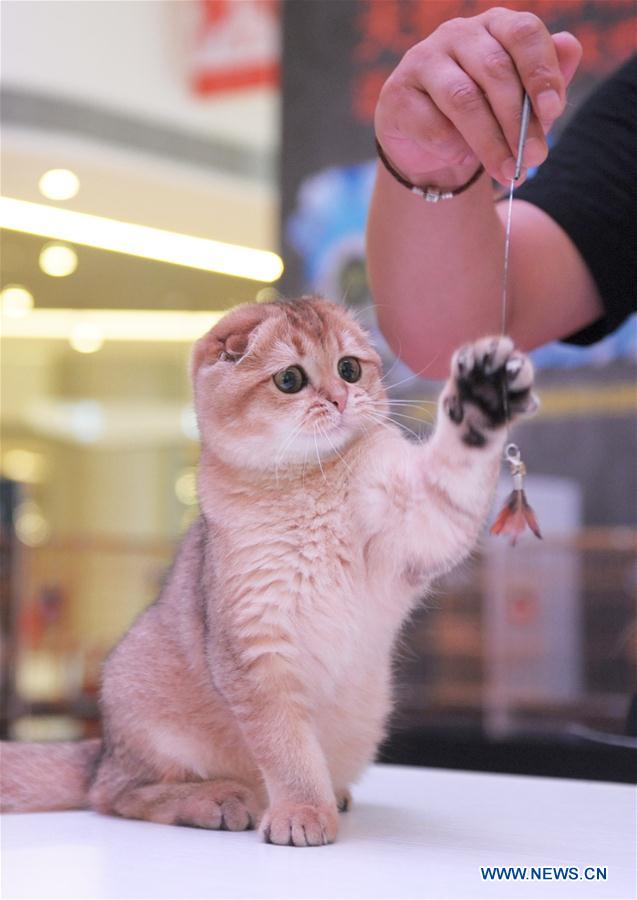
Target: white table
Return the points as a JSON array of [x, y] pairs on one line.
[[411, 833]]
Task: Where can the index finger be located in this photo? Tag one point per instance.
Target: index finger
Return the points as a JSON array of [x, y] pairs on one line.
[[530, 46]]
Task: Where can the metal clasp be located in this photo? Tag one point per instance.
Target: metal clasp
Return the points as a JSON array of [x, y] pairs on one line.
[[513, 456]]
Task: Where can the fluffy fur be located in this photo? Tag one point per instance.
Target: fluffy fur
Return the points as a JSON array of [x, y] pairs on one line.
[[256, 689]]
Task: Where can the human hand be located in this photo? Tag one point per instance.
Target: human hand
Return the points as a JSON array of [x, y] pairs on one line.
[[455, 99]]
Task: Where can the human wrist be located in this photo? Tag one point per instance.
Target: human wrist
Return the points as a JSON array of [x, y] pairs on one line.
[[440, 184]]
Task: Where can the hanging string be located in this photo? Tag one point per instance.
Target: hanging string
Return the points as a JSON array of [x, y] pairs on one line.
[[516, 514], [524, 127], [507, 250]]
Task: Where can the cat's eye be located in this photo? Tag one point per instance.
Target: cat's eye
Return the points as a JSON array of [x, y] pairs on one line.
[[349, 369], [290, 380]]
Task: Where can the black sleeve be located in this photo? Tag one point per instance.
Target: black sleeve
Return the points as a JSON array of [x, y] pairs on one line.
[[588, 185]]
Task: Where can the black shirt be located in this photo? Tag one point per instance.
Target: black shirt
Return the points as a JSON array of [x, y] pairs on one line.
[[588, 185]]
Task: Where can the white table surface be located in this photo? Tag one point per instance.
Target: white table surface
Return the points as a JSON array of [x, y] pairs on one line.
[[411, 833]]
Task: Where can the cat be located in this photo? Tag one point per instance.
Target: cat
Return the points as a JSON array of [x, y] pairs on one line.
[[256, 689]]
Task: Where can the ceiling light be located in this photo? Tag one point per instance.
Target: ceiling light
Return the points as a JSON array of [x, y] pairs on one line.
[[180, 326], [186, 487], [17, 301], [58, 260], [189, 427], [87, 421], [80, 421], [86, 337], [23, 465], [59, 184], [30, 525], [267, 295], [139, 240]]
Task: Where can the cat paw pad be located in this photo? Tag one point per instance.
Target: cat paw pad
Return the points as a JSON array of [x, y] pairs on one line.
[[491, 384]]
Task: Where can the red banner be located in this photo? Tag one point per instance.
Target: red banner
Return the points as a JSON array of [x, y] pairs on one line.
[[237, 45]]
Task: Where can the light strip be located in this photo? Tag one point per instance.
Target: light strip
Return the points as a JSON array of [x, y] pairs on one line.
[[139, 240], [114, 324]]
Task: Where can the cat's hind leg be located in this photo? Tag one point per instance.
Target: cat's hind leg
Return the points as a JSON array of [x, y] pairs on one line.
[[221, 805], [123, 787]]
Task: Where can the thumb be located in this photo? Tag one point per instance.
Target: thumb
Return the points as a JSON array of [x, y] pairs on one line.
[[569, 53]]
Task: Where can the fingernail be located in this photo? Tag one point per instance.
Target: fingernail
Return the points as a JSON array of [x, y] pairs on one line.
[[549, 105], [534, 151], [508, 168]]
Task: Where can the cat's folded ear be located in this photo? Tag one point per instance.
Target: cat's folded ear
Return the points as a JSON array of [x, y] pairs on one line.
[[229, 338]]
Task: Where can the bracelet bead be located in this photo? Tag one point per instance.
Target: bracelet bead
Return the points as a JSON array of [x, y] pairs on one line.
[[429, 193]]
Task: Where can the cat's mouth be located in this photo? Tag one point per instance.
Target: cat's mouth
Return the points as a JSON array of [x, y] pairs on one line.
[[325, 419]]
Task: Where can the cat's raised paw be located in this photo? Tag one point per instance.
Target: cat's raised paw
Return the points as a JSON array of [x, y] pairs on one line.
[[491, 384], [300, 825]]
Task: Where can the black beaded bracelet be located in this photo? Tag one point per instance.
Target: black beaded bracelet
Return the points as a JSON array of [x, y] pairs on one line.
[[428, 193]]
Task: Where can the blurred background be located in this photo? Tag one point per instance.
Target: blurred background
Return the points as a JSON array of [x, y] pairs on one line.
[[163, 161]]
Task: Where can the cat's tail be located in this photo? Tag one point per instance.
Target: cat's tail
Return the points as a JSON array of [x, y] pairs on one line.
[[45, 777]]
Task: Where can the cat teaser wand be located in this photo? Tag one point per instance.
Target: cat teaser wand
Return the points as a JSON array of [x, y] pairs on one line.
[[516, 514]]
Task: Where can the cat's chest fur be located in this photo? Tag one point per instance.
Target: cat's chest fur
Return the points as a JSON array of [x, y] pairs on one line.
[[290, 567], [300, 545]]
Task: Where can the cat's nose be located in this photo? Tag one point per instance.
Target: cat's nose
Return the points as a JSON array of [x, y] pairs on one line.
[[337, 395]]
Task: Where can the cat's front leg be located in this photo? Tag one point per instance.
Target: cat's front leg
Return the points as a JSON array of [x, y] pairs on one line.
[[267, 696], [444, 488], [490, 387]]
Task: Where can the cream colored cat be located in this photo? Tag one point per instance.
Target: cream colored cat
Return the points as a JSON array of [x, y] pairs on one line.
[[256, 689]]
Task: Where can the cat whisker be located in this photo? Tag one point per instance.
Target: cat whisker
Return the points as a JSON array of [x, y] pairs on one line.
[[247, 355], [334, 448], [425, 417], [426, 414], [412, 402], [378, 418], [390, 387], [345, 295], [288, 441], [395, 413], [303, 469], [394, 364], [422, 421], [318, 456], [364, 309], [361, 421], [390, 370], [414, 434], [279, 457], [384, 420]]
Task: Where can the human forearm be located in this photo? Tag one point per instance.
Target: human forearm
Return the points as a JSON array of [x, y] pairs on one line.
[[435, 270], [436, 274]]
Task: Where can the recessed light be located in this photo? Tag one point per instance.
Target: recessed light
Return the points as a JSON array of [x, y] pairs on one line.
[[86, 337], [186, 487], [58, 260], [59, 184], [17, 301], [267, 295], [31, 527]]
